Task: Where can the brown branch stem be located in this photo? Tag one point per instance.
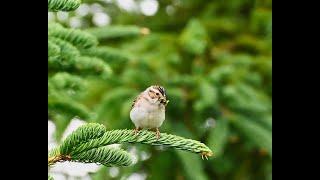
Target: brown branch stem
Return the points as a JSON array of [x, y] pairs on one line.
[[58, 158]]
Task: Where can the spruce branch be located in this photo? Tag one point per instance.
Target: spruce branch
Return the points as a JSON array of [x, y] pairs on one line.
[[194, 38], [68, 105], [82, 135], [89, 143], [66, 81], [118, 31], [104, 155], [91, 65], [108, 54], [67, 54], [61, 102], [53, 50], [77, 64], [256, 133], [63, 5], [78, 38], [146, 137]]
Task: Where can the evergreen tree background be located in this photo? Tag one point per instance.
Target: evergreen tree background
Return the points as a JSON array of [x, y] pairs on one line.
[[213, 57]]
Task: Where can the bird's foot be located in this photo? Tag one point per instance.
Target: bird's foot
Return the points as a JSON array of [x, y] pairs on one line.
[[136, 130]]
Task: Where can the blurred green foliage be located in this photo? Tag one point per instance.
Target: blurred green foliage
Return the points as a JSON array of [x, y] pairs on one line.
[[215, 60]]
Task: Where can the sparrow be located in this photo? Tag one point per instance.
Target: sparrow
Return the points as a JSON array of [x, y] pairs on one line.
[[148, 109]]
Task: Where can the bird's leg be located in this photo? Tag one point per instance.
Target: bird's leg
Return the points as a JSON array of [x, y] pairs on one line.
[[156, 130], [136, 130], [157, 133]]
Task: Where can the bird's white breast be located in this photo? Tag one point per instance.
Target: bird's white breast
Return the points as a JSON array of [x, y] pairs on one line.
[[147, 116]]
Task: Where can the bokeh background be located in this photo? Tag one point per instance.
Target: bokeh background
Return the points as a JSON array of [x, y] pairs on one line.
[[214, 57]]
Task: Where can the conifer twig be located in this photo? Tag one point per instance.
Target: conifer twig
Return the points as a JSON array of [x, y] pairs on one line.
[[89, 143]]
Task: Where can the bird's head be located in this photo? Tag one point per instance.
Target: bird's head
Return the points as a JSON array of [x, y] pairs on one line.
[[157, 94]]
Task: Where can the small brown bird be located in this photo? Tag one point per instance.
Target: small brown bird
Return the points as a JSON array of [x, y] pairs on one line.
[[148, 109]]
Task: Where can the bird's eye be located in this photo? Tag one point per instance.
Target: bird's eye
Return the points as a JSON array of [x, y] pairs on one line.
[[157, 94]]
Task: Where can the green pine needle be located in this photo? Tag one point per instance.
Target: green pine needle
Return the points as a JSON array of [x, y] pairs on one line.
[[63, 5]]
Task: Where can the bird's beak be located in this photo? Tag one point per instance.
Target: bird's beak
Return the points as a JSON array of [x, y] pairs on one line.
[[164, 101]]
